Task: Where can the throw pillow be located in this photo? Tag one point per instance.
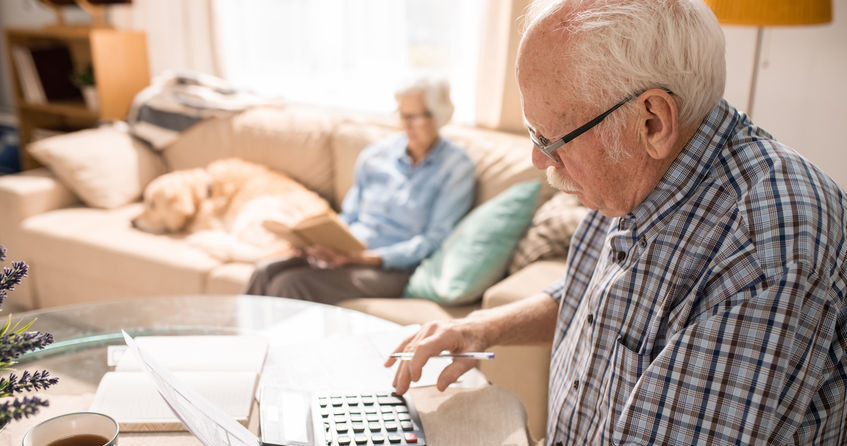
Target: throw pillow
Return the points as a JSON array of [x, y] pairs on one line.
[[549, 235], [104, 167], [475, 255]]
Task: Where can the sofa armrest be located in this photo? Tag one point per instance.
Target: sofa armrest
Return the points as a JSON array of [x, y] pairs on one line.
[[32, 192], [527, 282]]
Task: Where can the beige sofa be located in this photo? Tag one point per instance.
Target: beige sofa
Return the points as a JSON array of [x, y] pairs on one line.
[[80, 254]]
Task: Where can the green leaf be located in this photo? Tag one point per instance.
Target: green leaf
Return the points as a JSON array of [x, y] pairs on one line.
[[6, 326], [24, 328]]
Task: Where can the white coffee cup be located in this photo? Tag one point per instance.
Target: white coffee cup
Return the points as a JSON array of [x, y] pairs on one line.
[[71, 424]]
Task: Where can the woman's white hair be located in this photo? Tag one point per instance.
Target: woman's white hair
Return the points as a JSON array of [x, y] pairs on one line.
[[436, 94], [620, 47]]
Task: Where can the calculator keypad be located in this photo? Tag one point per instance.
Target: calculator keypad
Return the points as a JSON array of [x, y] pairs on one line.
[[368, 419]]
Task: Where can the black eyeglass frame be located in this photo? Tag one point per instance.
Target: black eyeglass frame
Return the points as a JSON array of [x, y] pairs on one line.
[[547, 148]]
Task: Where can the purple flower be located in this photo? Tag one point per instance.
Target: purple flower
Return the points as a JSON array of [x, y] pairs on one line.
[[19, 408], [14, 342], [12, 346], [27, 382]]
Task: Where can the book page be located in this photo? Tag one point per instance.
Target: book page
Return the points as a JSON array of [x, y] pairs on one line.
[[242, 353], [211, 425], [329, 231]]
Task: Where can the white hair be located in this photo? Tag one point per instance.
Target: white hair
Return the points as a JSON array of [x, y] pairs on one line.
[[621, 47], [436, 94]]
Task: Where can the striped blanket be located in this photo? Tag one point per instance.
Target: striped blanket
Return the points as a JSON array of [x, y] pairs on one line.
[[176, 101]]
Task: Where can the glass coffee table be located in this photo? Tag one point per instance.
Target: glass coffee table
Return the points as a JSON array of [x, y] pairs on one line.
[[83, 333]]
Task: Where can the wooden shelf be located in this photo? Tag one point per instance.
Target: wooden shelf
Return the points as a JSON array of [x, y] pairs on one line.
[[52, 32], [69, 109], [121, 70]]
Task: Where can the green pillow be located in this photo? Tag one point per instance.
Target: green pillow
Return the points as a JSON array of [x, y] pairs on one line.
[[476, 253]]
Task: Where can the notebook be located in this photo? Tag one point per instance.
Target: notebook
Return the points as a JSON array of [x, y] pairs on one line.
[[223, 369]]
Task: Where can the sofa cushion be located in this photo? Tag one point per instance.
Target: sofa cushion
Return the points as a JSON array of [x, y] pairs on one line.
[[104, 167], [290, 140], [406, 311], [549, 234], [501, 160], [229, 278], [475, 254], [527, 282], [103, 245]]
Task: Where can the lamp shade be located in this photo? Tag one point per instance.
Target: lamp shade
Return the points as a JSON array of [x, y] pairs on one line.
[[771, 12]]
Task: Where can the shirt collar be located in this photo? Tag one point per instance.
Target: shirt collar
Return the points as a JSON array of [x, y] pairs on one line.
[[686, 173], [405, 160]]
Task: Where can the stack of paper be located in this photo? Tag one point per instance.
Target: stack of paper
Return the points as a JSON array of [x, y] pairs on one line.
[[223, 369]]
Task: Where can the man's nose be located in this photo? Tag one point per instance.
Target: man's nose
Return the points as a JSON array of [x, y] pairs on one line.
[[540, 160]]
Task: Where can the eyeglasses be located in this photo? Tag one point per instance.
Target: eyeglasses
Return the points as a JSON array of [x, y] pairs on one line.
[[409, 117], [547, 148]]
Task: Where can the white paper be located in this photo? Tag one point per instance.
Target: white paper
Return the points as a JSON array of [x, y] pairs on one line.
[[343, 363], [209, 424]]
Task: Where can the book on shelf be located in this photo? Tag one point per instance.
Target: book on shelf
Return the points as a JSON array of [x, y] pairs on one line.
[[45, 73], [27, 75], [223, 369], [324, 229]]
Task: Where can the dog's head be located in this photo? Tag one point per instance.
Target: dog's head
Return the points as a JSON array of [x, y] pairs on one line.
[[172, 200]]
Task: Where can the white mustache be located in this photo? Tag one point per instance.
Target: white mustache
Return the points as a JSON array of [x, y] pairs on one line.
[[559, 182]]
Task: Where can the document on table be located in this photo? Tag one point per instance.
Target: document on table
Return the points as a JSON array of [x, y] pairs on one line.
[[209, 424], [342, 363]]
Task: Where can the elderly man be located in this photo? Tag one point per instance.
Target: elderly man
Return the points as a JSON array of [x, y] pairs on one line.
[[705, 296]]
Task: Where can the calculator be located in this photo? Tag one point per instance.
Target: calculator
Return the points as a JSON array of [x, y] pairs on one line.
[[292, 418]]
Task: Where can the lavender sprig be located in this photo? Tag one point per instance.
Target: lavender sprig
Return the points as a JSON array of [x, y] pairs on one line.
[[39, 380], [19, 408], [11, 277], [12, 346], [15, 340]]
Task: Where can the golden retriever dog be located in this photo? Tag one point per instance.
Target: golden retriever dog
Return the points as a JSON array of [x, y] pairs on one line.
[[222, 208]]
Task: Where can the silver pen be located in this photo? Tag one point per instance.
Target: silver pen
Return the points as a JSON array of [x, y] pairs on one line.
[[405, 356]]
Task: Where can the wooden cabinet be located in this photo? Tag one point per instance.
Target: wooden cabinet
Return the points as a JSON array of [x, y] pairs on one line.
[[120, 66]]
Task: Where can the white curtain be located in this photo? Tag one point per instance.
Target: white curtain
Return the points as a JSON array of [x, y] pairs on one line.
[[349, 53], [344, 53], [180, 33]]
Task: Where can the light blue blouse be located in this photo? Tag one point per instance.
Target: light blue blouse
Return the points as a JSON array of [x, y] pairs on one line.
[[401, 212]]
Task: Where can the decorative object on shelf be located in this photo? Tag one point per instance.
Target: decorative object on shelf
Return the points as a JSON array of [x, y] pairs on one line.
[[15, 341], [769, 13], [97, 9], [85, 81]]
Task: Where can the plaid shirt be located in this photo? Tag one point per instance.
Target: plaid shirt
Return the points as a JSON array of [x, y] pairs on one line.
[[714, 312]]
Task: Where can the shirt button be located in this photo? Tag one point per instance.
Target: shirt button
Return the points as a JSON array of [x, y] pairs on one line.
[[590, 318], [576, 384], [621, 256], [643, 242]]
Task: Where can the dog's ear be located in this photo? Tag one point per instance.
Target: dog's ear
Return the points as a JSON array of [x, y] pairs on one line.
[[183, 202], [202, 188]]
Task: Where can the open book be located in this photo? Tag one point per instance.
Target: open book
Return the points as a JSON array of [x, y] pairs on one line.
[[323, 229], [223, 369]]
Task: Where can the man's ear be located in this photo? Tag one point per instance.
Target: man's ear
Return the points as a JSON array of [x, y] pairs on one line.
[[658, 123]]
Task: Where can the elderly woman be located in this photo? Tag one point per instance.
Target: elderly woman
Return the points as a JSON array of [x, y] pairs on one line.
[[408, 193]]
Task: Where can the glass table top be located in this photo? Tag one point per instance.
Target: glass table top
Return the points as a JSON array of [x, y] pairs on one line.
[[83, 332]]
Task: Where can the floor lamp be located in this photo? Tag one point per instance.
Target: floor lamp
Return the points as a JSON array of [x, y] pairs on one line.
[[761, 13]]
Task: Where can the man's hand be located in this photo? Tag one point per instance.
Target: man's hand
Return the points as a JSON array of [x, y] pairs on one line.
[[462, 335], [323, 257]]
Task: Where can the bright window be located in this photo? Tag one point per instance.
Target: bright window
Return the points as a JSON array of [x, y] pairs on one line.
[[350, 53]]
